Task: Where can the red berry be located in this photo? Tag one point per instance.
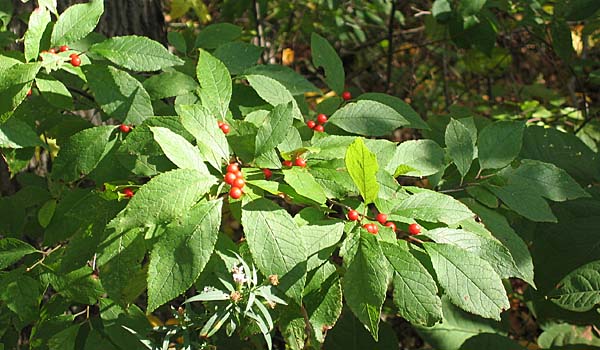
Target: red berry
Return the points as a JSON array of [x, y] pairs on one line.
[[322, 118], [414, 229], [391, 225], [52, 50], [382, 218], [300, 162], [319, 128], [229, 178], [287, 163], [311, 124], [371, 228], [267, 173], [127, 192], [232, 168], [346, 95], [29, 92], [238, 174], [235, 193], [353, 215], [63, 48], [239, 183], [75, 60], [225, 128], [124, 128], [220, 123]]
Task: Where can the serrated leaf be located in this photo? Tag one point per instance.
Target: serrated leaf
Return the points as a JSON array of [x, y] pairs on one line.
[[324, 55], [362, 166], [460, 146], [304, 184], [524, 201], [16, 81], [22, 295], [368, 270], [17, 134], [415, 291], [137, 53], [273, 92], [433, 207], [416, 158], [350, 334], [12, 250], [215, 84], [214, 35], [568, 336], [82, 152], [579, 291], [469, 281], [169, 84], [38, 20], [164, 198], [295, 83], [182, 252], [499, 144], [274, 129], [54, 91], [119, 94], [238, 56], [179, 150], [204, 127], [368, 118], [272, 238], [320, 240], [76, 22], [403, 108]]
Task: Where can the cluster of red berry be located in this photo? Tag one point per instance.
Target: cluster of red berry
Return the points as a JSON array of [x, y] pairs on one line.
[[318, 125], [235, 178], [127, 192], [224, 127], [299, 161], [353, 215], [75, 59]]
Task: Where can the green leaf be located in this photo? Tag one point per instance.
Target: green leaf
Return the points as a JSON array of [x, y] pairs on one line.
[[433, 207], [304, 184], [544, 178], [137, 53], [324, 301], [214, 35], [17, 134], [76, 22], [469, 281], [179, 150], [562, 42], [416, 158], [362, 167], [54, 91], [22, 294], [16, 81], [119, 94], [524, 201], [273, 241], [369, 118], [205, 129], [295, 83], [579, 290], [568, 336], [163, 199], [65, 339], [274, 129], [365, 282], [324, 55], [182, 252], [350, 334], [415, 291], [82, 152], [238, 56], [499, 144], [169, 84], [403, 108], [12, 250], [485, 247], [46, 212], [38, 20], [215, 84], [273, 92], [320, 240], [490, 341], [471, 7], [460, 146]]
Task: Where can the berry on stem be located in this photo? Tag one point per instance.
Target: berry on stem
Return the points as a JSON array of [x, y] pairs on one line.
[[322, 118], [229, 178], [287, 163], [319, 128], [52, 50], [414, 229], [235, 193], [353, 215], [75, 60], [238, 174], [311, 124], [301, 162], [29, 92], [63, 48], [127, 192], [225, 128], [381, 218], [371, 228], [346, 95], [391, 225], [239, 183], [232, 168], [220, 124], [124, 128], [267, 173]]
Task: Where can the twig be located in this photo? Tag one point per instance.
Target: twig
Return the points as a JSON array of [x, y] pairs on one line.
[[259, 28], [44, 256], [390, 53]]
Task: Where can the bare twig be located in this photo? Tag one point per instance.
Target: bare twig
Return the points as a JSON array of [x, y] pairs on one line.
[[390, 53]]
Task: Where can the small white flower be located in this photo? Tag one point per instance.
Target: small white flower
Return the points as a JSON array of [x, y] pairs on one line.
[[239, 277]]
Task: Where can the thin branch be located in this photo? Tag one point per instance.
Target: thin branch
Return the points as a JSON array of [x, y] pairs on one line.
[[390, 53]]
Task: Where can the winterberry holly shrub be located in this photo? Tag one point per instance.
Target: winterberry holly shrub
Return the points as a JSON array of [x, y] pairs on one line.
[[246, 204]]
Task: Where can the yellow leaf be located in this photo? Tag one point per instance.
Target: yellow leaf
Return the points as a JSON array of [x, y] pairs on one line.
[[179, 8], [154, 321], [287, 57]]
